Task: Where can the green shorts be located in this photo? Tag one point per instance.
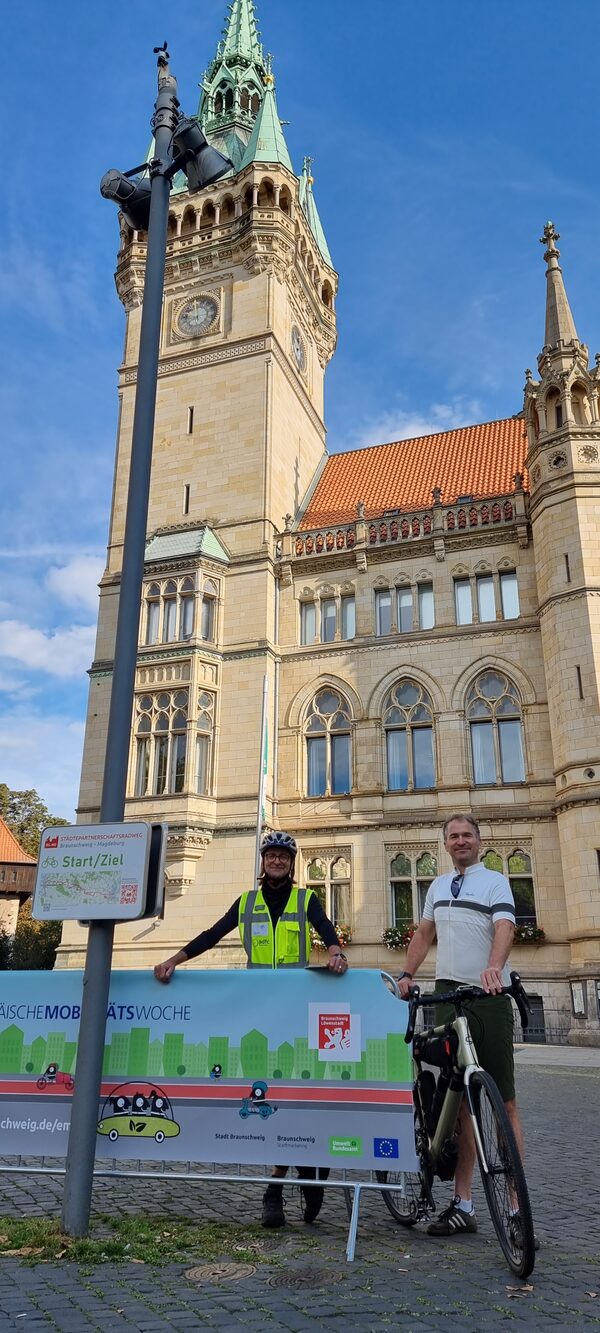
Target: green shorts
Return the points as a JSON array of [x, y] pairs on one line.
[[491, 1027]]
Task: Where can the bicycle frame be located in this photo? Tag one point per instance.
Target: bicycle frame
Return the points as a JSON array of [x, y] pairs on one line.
[[465, 1063]]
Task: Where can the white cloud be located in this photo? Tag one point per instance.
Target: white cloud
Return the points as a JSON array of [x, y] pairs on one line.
[[64, 652], [32, 281], [406, 424], [43, 752], [76, 582]]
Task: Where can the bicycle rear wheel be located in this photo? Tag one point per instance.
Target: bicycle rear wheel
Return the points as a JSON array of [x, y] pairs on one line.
[[404, 1202], [502, 1174]]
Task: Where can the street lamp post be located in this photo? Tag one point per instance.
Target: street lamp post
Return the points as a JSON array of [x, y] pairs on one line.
[[147, 207]]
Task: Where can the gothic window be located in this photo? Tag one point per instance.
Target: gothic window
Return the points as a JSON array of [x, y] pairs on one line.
[[408, 725], [204, 742], [328, 745], [245, 99], [410, 877], [254, 103], [494, 717], [308, 622], [161, 732], [329, 876], [208, 616], [486, 597], [462, 601], [509, 595], [337, 616], [168, 613], [383, 611], [518, 870], [266, 194]]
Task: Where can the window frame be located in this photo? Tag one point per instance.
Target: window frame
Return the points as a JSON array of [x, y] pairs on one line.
[[498, 724], [330, 882], [416, 881], [320, 740], [407, 728]]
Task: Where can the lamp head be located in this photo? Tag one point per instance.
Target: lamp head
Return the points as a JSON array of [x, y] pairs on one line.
[[132, 197], [204, 164]]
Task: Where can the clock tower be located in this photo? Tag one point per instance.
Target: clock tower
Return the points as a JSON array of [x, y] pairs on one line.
[[247, 331]]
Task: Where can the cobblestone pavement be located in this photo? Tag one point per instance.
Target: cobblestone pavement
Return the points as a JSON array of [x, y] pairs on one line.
[[401, 1278]]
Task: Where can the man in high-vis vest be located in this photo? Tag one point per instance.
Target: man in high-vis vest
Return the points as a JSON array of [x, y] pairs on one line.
[[274, 923]]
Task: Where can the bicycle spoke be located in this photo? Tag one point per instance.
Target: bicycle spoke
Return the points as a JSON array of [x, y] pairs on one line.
[[503, 1180]]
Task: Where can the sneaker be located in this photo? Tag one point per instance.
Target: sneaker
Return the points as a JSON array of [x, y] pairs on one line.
[[516, 1233], [272, 1213], [452, 1221], [313, 1196]]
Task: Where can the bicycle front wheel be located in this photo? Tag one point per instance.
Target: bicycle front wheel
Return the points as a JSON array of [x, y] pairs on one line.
[[502, 1175]]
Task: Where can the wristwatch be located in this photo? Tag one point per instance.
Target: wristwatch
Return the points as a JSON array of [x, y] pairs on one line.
[[405, 974]]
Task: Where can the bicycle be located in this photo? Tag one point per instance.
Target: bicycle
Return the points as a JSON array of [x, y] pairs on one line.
[[449, 1048]]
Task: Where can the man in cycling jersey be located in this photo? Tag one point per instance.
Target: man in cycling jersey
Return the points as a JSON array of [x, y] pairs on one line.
[[471, 910], [274, 923]]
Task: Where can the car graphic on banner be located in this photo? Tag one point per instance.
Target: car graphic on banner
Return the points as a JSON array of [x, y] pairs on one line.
[[138, 1110]]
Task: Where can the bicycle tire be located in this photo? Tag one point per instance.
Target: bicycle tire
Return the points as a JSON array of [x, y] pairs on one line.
[[402, 1203], [505, 1173]]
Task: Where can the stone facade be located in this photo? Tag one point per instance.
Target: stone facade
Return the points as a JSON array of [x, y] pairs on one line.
[[239, 448]]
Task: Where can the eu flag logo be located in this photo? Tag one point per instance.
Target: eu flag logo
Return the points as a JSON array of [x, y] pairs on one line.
[[385, 1148]]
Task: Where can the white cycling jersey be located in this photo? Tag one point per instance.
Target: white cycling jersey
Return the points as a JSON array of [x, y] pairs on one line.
[[465, 925]]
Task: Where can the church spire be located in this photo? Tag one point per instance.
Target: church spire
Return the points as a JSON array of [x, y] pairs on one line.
[[560, 325], [233, 85], [240, 34]]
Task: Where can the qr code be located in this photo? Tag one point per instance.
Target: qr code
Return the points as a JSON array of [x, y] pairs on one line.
[[128, 893]]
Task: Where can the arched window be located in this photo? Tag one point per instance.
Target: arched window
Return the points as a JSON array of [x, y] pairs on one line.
[[266, 194], [521, 883], [186, 609], [170, 612], [408, 724], [152, 613], [172, 227], [204, 741], [328, 750], [518, 871], [494, 717], [188, 225], [554, 411], [410, 878], [329, 876], [245, 99], [285, 200], [227, 209], [579, 405], [160, 730], [207, 218]]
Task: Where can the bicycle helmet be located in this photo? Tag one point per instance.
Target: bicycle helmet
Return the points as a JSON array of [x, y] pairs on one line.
[[283, 841]]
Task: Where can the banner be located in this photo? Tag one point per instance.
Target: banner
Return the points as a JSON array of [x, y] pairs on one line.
[[257, 1067]]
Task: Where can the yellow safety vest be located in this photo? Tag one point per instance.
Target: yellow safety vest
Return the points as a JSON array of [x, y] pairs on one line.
[[286, 946]]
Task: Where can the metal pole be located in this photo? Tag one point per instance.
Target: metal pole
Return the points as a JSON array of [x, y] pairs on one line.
[[90, 1050], [262, 774]]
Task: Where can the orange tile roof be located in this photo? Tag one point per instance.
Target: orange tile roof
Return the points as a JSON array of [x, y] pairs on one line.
[[474, 460], [10, 849]]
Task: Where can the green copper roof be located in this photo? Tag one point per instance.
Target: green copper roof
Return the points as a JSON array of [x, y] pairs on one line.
[[190, 541], [240, 34], [307, 203], [266, 143]]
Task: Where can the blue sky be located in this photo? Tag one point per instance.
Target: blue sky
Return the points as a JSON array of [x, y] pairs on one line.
[[443, 138]]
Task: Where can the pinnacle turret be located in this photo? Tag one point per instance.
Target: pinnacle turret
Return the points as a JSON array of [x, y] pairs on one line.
[[560, 325], [306, 199], [267, 142], [234, 83]]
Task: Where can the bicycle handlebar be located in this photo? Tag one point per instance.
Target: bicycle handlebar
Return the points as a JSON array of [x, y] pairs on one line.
[[417, 1001]]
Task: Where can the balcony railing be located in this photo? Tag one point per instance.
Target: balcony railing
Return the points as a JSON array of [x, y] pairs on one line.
[[403, 528]]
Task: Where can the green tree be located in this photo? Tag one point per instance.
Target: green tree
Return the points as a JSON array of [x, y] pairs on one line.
[[26, 816], [35, 942], [5, 950]]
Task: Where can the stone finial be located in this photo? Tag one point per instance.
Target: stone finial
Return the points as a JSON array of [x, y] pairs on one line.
[[437, 495], [269, 78], [288, 521], [360, 509], [518, 481], [307, 170], [528, 376], [549, 236]]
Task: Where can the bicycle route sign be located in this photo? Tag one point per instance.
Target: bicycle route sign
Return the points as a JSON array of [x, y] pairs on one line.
[[92, 872], [267, 1068]]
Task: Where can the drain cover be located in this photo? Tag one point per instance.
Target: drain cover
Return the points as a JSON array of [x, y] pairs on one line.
[[216, 1273], [305, 1277]]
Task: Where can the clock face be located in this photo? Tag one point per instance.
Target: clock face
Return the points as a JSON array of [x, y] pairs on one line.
[[197, 315], [298, 348]]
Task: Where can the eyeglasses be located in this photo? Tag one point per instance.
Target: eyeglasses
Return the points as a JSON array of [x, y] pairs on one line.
[[456, 885]]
